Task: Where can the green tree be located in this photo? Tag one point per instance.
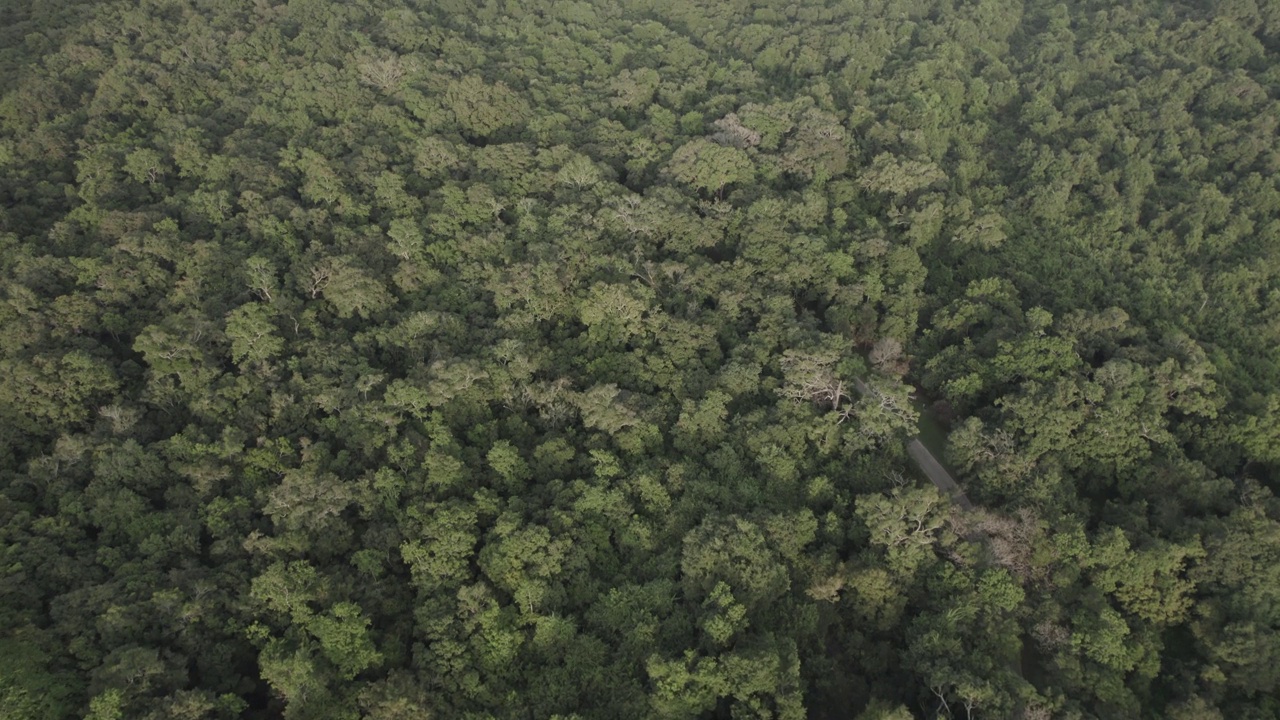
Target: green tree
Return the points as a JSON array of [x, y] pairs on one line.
[[482, 109], [253, 337], [706, 166]]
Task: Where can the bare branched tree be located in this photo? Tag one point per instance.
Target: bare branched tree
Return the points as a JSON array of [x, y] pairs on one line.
[[321, 273], [811, 377], [1050, 635], [1011, 539], [943, 706], [886, 356], [384, 71], [731, 131]]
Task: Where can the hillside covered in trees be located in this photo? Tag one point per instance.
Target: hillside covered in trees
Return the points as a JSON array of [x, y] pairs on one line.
[[403, 359]]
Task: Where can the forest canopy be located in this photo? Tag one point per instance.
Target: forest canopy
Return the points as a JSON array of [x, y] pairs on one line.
[[416, 359]]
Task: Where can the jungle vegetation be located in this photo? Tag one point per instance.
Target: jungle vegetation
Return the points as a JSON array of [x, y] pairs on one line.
[[401, 359]]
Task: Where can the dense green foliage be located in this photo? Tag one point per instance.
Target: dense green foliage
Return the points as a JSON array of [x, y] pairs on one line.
[[404, 359]]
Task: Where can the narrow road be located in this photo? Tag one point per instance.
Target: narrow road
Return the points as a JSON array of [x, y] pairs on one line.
[[929, 464], [938, 474], [947, 485]]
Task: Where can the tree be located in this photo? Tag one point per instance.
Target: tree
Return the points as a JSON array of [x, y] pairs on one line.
[[882, 411], [253, 337], [732, 551], [441, 556], [293, 674], [812, 378], [57, 393], [523, 561], [350, 289], [888, 174], [384, 71], [817, 150], [907, 522], [882, 710], [706, 166], [481, 109], [343, 635]]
